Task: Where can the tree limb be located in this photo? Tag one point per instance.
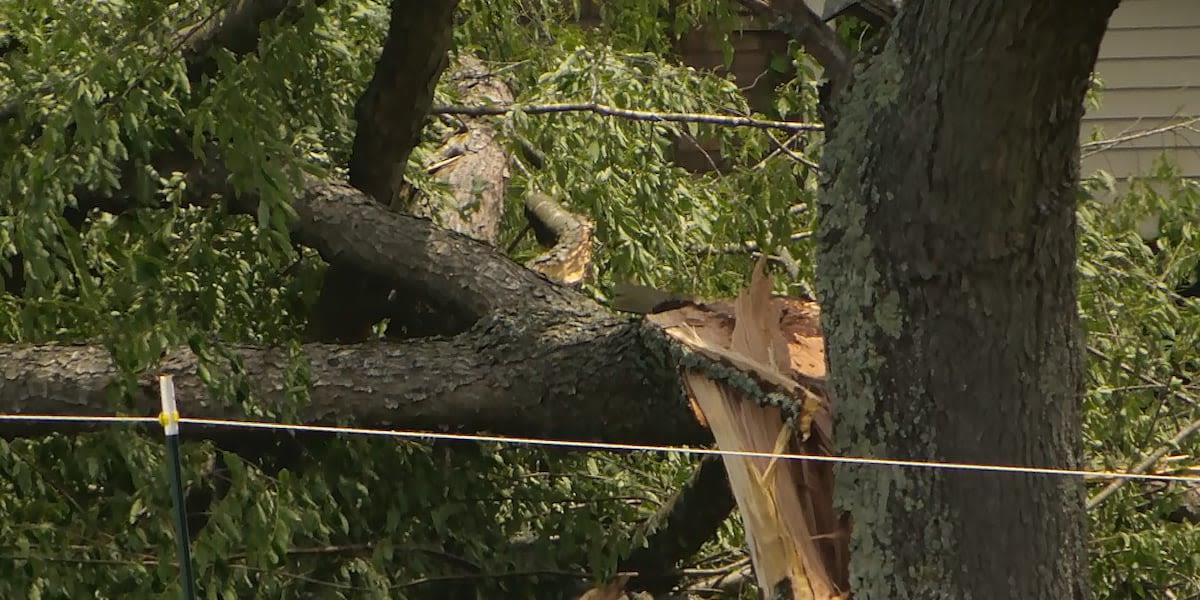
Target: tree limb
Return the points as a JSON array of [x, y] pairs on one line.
[[541, 357], [626, 113], [567, 235], [392, 110], [592, 378], [471, 161], [390, 114], [236, 29], [678, 530], [468, 278]]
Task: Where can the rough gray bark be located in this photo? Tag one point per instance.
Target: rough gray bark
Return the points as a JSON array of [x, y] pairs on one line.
[[539, 359], [392, 110], [586, 379], [946, 271], [390, 115]]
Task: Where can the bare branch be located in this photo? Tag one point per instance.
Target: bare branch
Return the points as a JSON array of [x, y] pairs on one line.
[[625, 113], [746, 246], [1146, 464], [782, 148], [1098, 146], [1152, 459]]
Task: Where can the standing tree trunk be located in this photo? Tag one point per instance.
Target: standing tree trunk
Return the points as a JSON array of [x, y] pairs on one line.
[[947, 279]]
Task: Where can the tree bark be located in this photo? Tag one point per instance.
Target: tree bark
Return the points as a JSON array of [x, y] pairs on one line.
[[392, 110], [390, 113], [591, 379], [538, 359], [946, 272]]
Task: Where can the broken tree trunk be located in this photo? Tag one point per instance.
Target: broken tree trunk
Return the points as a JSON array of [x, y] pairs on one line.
[[754, 373]]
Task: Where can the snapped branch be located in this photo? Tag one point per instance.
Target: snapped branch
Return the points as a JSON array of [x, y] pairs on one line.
[[626, 113]]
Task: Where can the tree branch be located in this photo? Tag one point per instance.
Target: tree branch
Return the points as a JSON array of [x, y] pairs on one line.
[[567, 235], [390, 114], [468, 278], [1145, 465], [541, 357], [591, 378], [626, 113], [1098, 146], [392, 110], [236, 29], [678, 530], [1152, 459]]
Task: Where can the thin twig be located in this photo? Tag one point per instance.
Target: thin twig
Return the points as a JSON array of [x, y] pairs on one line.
[[1098, 146], [782, 147], [1148, 462], [1148, 380], [626, 113], [746, 246]]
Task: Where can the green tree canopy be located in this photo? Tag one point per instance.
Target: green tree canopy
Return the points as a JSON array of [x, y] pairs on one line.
[[171, 192]]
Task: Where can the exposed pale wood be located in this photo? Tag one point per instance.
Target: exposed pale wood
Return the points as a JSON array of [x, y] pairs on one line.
[[795, 540], [567, 235], [471, 161]]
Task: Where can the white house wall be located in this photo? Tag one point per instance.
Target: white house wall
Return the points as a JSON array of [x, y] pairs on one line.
[[1150, 68]]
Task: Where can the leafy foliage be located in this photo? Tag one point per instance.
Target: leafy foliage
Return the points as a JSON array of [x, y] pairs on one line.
[[100, 85], [1142, 380]]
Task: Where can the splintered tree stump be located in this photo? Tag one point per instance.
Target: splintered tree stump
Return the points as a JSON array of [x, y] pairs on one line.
[[754, 372]]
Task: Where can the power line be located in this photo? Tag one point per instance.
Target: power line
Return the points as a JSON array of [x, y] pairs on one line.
[[590, 445]]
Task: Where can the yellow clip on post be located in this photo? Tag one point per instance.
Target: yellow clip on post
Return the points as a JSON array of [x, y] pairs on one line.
[[169, 417]]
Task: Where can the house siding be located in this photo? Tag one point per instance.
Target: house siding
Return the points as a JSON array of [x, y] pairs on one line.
[[1149, 65]]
